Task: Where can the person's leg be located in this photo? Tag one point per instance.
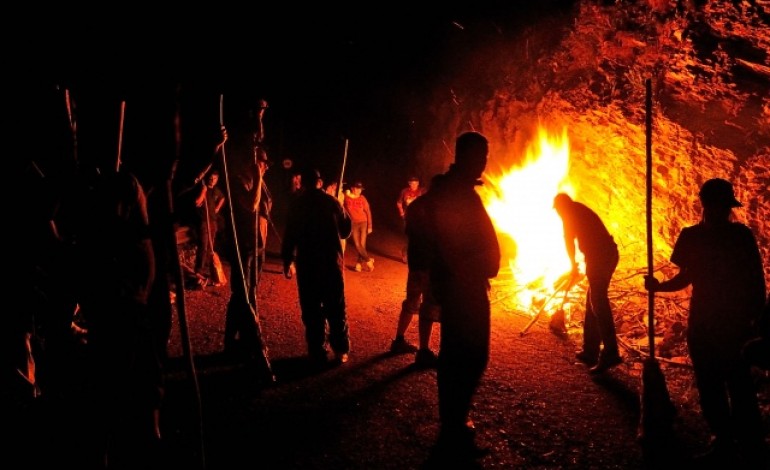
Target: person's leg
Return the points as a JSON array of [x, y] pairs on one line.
[[745, 411], [409, 307], [591, 337], [369, 261], [429, 313], [334, 311], [713, 398], [202, 252], [312, 316], [356, 235], [463, 357], [599, 277], [364, 252], [236, 302]]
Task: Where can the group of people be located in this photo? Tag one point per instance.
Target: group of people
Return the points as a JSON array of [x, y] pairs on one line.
[[452, 252]]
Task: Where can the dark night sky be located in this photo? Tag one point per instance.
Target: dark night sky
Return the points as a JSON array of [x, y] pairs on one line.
[[329, 72]]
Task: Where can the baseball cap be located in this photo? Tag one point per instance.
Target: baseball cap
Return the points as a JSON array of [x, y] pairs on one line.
[[718, 191], [358, 184]]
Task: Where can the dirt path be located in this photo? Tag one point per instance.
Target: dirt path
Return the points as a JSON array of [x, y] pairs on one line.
[[536, 408]]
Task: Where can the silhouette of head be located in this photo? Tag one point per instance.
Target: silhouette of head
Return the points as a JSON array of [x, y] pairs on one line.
[[561, 201], [471, 150], [309, 177], [718, 192]]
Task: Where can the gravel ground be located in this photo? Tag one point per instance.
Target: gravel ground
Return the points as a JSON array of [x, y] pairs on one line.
[[536, 407]]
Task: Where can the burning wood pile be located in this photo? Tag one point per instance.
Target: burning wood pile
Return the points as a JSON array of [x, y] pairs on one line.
[[564, 109]]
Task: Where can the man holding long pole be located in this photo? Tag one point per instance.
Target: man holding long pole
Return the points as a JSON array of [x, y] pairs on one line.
[[243, 335], [657, 409]]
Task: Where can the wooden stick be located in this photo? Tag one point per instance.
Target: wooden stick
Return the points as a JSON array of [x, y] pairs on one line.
[[342, 172], [120, 133], [178, 276], [650, 269], [73, 125], [565, 284]]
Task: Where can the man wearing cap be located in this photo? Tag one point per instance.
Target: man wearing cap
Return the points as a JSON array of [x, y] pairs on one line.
[[720, 259], [357, 206]]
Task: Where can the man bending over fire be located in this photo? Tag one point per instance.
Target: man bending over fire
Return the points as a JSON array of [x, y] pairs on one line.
[[583, 225]]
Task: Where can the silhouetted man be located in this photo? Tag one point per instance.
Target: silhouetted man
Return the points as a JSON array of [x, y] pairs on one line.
[[466, 255], [312, 243], [582, 226], [721, 260]]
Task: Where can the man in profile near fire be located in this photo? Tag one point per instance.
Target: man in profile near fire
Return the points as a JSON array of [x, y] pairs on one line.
[[466, 255], [584, 228], [720, 259]]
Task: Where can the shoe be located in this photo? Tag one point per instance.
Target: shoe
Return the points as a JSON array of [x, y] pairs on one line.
[[719, 454], [370, 264], [605, 363], [460, 444], [319, 356], [402, 346], [587, 358], [341, 358], [426, 358], [358, 267]]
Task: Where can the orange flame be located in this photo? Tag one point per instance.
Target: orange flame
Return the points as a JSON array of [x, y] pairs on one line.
[[520, 204]]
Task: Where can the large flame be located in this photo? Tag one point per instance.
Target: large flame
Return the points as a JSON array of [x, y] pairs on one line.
[[520, 203]]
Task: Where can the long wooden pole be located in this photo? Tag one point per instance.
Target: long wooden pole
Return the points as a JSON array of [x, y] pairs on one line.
[[650, 268], [657, 410], [120, 134], [178, 274], [342, 172], [250, 294], [73, 126]]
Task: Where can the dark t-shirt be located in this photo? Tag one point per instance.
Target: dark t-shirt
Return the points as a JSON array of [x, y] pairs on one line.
[[725, 268], [419, 249]]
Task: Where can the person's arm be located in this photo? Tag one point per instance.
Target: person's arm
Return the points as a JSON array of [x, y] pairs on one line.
[[569, 245], [678, 282], [368, 211], [201, 196], [223, 138], [400, 205], [220, 203]]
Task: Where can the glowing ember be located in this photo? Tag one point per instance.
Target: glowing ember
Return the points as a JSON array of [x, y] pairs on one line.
[[520, 203]]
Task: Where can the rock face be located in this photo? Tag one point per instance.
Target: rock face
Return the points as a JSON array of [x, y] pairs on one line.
[[584, 69]]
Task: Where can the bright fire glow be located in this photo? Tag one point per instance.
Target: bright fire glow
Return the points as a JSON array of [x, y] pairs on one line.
[[520, 203]]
